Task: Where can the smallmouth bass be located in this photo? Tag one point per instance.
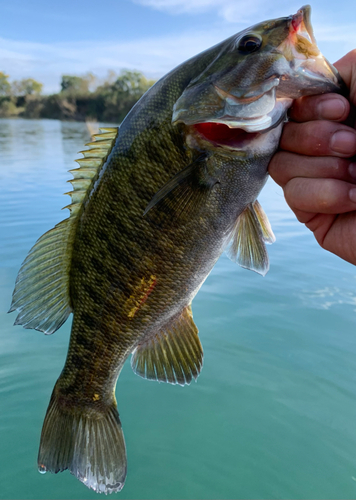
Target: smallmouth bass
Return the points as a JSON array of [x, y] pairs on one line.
[[154, 204]]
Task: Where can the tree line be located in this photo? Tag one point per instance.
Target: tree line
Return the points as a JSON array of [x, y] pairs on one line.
[[80, 98]]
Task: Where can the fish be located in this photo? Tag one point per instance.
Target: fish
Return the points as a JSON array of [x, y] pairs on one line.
[[154, 204]]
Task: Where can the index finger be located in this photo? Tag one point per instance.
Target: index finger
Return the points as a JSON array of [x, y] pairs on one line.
[[329, 106], [320, 107]]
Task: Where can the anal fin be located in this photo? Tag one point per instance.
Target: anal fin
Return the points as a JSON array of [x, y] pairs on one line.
[[173, 355]]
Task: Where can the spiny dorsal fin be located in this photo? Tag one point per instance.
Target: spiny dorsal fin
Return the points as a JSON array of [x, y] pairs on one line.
[[41, 293], [173, 355], [247, 247]]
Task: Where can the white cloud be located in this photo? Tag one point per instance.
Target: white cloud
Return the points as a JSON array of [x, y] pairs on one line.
[[181, 6], [153, 56], [240, 11], [231, 11]]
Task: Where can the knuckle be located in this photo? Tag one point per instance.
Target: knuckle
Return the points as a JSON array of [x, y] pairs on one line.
[[276, 161], [326, 196], [339, 165], [276, 165], [293, 193], [316, 136]]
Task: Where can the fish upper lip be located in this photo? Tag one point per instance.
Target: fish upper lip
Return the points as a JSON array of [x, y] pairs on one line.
[[250, 94], [261, 123], [238, 100], [303, 17]]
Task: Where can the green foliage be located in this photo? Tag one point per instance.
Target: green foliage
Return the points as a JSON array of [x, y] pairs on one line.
[[8, 108], [77, 85], [122, 94], [131, 83], [26, 86], [80, 97], [5, 87], [33, 106]]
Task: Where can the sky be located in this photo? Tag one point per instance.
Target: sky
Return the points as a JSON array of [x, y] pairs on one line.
[[42, 39]]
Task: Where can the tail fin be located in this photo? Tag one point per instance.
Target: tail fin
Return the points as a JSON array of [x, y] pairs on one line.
[[89, 444]]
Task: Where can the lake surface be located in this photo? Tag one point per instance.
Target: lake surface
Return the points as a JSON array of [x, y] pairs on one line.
[[273, 413]]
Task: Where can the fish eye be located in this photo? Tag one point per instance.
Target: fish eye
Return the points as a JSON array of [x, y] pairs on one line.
[[249, 43]]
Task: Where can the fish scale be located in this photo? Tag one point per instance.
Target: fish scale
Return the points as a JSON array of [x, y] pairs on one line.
[[153, 207]]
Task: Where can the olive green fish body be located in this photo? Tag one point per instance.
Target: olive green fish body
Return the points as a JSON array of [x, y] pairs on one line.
[[153, 207], [129, 275]]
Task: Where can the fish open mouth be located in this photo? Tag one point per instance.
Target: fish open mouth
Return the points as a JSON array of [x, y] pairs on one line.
[[234, 132], [243, 118], [220, 134]]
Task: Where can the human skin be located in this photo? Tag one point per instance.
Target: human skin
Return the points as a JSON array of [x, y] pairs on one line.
[[316, 164]]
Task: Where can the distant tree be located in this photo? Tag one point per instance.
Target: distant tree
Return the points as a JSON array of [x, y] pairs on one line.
[[26, 86], [92, 81], [78, 85], [80, 97], [111, 77], [133, 83], [73, 84], [119, 97], [5, 87]]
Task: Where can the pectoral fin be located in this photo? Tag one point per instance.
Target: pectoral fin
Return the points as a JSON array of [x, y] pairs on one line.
[[267, 233], [252, 229], [187, 191], [173, 355]]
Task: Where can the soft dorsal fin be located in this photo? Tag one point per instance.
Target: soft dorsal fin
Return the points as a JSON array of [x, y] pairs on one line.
[[247, 247], [173, 355], [41, 293]]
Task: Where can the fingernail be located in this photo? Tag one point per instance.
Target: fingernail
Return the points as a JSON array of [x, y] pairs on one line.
[[352, 194], [344, 142], [331, 108], [352, 170]]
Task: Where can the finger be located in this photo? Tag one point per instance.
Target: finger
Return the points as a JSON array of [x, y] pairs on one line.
[[347, 68], [320, 107], [304, 217], [331, 231], [320, 225], [319, 138], [284, 166], [338, 235], [327, 196]]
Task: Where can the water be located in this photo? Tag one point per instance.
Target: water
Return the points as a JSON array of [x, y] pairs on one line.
[[273, 412]]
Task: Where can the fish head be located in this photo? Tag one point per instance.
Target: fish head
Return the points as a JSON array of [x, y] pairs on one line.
[[253, 80]]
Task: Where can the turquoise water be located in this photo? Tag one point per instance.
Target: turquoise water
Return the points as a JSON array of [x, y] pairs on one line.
[[273, 413]]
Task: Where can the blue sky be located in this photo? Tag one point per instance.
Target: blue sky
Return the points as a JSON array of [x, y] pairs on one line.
[[45, 39]]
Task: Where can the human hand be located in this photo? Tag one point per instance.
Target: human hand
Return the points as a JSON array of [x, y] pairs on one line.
[[315, 168]]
